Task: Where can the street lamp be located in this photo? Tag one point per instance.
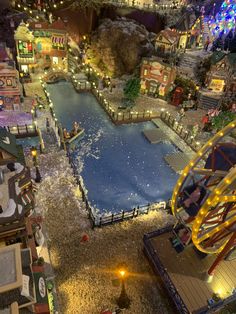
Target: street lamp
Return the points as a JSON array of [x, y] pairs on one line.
[[34, 156], [123, 300]]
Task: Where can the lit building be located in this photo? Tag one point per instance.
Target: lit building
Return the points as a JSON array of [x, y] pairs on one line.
[[156, 76], [9, 81], [222, 75], [22, 284], [51, 43], [167, 41], [25, 50]]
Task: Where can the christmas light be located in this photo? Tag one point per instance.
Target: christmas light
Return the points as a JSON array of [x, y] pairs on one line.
[[224, 20]]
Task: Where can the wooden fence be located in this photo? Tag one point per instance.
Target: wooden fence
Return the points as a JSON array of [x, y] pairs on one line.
[[21, 131], [185, 134], [122, 116]]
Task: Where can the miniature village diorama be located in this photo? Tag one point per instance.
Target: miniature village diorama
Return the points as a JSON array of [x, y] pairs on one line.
[[166, 66]]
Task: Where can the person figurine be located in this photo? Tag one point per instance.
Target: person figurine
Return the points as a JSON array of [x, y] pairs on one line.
[[66, 135], [180, 115], [205, 121], [195, 130], [47, 125]]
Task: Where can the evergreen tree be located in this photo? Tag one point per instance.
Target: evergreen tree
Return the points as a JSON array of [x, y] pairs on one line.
[[131, 90]]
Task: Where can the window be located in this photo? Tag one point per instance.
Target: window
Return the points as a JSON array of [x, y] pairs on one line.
[[165, 78], [160, 38], [9, 82], [223, 65], [1, 83], [145, 72]]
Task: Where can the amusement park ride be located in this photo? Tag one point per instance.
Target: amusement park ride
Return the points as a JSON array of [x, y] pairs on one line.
[[204, 237]]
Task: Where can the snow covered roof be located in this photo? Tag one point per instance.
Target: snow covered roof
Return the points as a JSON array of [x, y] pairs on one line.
[[170, 35], [8, 142], [23, 33]]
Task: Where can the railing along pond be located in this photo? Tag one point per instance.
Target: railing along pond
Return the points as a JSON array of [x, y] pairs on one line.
[[25, 130], [186, 135]]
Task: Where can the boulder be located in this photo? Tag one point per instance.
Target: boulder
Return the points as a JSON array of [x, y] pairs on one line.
[[118, 46]]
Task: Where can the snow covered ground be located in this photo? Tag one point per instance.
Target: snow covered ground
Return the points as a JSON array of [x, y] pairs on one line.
[[84, 271]]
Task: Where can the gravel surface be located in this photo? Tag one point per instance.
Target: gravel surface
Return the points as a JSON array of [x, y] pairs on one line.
[[85, 270]]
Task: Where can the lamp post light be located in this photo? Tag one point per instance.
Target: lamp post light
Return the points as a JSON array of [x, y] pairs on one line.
[[123, 300], [34, 156]]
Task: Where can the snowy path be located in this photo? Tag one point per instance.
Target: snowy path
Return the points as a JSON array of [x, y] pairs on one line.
[[84, 271]]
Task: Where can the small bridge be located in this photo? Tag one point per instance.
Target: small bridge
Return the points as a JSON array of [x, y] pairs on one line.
[[54, 76]]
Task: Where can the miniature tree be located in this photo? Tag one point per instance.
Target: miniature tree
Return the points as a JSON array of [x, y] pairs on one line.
[[223, 118], [187, 85], [202, 69], [131, 90]]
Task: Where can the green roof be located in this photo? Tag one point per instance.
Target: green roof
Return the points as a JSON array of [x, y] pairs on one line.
[[217, 56], [8, 142], [232, 59]]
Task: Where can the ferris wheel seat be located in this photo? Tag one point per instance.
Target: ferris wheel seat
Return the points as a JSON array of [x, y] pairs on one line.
[[191, 199], [223, 157]]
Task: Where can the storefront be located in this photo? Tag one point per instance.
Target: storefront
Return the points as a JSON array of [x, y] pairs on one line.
[[217, 85]]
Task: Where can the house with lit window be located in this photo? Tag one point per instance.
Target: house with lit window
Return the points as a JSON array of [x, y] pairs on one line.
[[51, 43], [167, 41], [222, 74], [156, 76], [25, 50], [9, 81]]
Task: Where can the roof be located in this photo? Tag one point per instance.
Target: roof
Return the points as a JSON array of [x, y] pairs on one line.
[[56, 26], [59, 24], [23, 33], [170, 35], [158, 60], [8, 142], [16, 269], [232, 59], [219, 55]]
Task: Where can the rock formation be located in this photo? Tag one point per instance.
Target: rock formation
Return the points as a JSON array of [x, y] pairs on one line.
[[118, 46]]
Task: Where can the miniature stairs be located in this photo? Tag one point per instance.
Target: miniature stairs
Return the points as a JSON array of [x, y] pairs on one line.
[[208, 101]]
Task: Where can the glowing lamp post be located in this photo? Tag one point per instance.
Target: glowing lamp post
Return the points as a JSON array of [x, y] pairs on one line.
[[123, 300], [34, 156]]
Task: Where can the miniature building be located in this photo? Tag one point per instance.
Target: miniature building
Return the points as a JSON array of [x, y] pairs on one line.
[[167, 41], [156, 76], [25, 50], [9, 150], [9, 81], [16, 278], [190, 32], [51, 43], [222, 75]]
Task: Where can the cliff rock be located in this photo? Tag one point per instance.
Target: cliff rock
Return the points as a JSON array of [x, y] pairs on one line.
[[118, 46]]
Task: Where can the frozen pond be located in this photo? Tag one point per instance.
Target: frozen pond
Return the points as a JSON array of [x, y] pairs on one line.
[[119, 167]]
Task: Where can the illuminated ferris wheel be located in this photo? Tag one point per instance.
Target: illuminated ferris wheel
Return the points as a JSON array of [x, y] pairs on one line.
[[204, 197]]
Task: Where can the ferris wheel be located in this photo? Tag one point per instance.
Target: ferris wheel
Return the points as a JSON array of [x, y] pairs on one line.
[[204, 197]]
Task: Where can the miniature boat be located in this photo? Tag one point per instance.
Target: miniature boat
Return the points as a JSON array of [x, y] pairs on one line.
[[78, 136]]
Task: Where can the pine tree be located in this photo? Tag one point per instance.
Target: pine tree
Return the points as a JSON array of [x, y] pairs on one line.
[[131, 90]]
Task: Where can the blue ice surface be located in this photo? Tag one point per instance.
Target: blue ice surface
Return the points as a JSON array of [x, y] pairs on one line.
[[121, 169]]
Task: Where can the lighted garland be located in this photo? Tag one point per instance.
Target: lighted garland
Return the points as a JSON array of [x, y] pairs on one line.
[[225, 19]]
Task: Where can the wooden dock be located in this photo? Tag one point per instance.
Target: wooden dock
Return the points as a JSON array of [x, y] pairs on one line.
[[184, 274], [155, 136], [177, 161]]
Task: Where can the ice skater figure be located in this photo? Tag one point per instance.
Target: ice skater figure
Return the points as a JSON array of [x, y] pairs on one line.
[[47, 125]]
